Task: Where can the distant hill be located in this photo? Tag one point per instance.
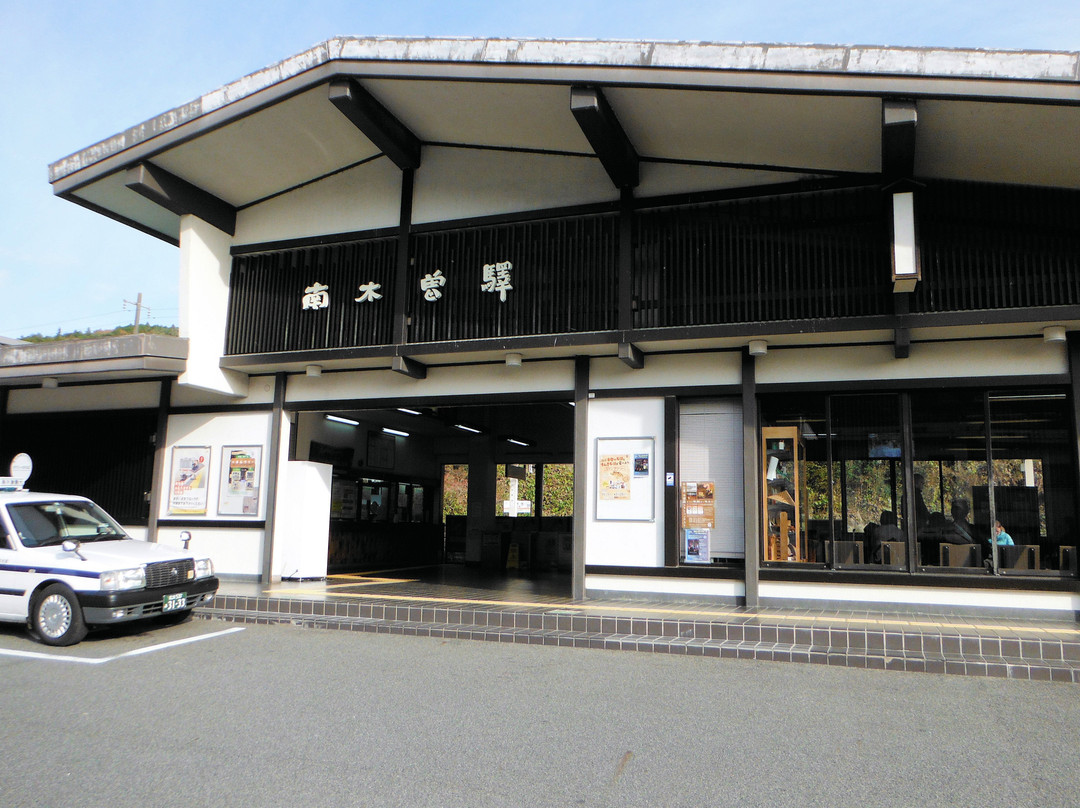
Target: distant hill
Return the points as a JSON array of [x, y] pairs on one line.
[[119, 331]]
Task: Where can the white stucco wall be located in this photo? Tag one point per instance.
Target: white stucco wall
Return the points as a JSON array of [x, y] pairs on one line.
[[205, 264], [489, 379], [363, 198], [235, 551], [92, 398], [626, 543]]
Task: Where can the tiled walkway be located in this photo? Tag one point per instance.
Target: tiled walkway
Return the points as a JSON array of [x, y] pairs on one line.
[[524, 611]]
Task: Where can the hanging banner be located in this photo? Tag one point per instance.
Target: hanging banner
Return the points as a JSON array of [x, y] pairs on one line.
[[189, 480], [238, 492]]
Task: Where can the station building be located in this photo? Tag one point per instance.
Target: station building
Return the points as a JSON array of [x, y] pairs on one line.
[[798, 322]]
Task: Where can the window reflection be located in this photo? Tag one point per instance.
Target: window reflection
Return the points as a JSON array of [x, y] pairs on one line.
[[1033, 495], [977, 458], [867, 445]]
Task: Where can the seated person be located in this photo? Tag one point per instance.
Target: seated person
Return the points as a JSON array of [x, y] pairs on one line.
[[962, 531], [1001, 537], [887, 531]]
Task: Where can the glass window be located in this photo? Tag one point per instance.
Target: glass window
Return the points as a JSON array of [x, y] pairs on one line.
[[41, 524], [558, 497], [455, 490], [515, 490], [1034, 493], [855, 512], [795, 433], [950, 476], [868, 450]]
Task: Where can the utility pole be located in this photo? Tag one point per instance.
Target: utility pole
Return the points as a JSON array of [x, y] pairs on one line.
[[138, 310]]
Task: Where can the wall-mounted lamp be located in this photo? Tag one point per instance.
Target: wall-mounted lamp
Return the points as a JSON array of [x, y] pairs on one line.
[[906, 267], [1054, 333], [313, 370], [513, 360], [758, 347], [50, 383], [341, 420], [400, 433]]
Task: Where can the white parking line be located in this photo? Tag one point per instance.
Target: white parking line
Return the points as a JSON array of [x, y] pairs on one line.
[[102, 660]]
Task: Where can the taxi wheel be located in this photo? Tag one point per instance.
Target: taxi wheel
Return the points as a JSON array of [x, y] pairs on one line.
[[56, 618]]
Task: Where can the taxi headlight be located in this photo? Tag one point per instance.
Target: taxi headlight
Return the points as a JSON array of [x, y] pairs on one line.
[[204, 568], [115, 580]]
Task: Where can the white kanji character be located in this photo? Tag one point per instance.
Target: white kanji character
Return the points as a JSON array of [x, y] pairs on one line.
[[430, 284], [369, 292], [497, 279], [316, 297]]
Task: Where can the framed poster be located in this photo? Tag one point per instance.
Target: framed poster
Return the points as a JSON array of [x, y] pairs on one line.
[[625, 479], [189, 480], [238, 490], [380, 450]]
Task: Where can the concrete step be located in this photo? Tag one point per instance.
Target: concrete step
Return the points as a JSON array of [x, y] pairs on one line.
[[905, 643]]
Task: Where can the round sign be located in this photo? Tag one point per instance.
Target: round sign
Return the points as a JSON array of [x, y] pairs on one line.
[[21, 467]]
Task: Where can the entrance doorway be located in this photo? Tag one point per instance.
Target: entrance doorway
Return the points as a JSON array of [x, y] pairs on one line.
[[482, 493]]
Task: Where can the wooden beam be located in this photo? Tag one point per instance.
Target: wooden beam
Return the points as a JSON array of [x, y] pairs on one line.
[[605, 134], [632, 355], [180, 196], [898, 121], [376, 122], [409, 367]]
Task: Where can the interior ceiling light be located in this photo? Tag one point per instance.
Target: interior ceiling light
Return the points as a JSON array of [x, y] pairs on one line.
[[397, 432], [407, 411], [341, 420], [518, 441], [467, 428]]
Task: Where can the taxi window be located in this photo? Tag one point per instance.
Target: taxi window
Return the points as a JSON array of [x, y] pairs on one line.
[[40, 524]]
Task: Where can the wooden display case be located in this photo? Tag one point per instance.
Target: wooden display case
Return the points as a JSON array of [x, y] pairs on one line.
[[783, 495]]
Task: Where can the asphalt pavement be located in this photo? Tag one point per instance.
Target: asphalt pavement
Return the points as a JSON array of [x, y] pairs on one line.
[[214, 714]]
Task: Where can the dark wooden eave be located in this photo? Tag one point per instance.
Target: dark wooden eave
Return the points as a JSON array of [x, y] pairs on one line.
[[376, 122], [605, 134], [898, 122], [179, 196]]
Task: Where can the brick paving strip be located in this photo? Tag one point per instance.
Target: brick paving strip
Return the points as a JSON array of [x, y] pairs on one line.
[[968, 646]]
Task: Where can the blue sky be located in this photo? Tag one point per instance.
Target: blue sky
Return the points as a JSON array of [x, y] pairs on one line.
[[73, 73]]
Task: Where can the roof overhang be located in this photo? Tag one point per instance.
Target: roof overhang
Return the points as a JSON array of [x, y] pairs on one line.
[[756, 113], [140, 356]]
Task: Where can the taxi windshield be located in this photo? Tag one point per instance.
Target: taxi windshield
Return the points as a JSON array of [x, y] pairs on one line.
[[40, 524]]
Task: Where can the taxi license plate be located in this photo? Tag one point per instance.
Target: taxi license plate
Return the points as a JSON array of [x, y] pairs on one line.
[[170, 603]]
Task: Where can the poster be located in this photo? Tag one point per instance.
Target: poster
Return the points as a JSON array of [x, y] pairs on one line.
[[238, 492], [188, 482], [625, 479], [344, 496], [614, 476], [697, 545], [699, 504]]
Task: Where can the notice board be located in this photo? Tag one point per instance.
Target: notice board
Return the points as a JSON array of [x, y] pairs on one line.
[[625, 481]]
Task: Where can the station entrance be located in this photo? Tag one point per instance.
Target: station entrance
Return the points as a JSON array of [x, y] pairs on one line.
[[466, 494]]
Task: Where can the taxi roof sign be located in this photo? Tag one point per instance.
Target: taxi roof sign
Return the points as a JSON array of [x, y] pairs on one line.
[[22, 466]]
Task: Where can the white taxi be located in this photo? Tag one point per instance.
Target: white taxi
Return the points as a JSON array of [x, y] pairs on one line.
[[66, 565]]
